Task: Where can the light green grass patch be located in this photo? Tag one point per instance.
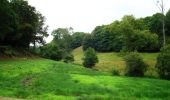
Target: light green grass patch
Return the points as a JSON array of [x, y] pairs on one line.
[[108, 61], [42, 79]]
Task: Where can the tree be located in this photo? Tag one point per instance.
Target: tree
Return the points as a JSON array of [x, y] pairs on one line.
[[167, 23], [115, 30], [87, 41], [30, 22], [90, 58], [8, 24], [68, 57], [103, 40], [135, 66], [62, 37], [145, 41], [77, 39], [163, 62], [41, 30], [51, 51]]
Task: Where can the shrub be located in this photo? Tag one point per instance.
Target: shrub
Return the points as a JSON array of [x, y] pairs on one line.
[[135, 66], [68, 58], [90, 58], [51, 51], [163, 63], [115, 72]]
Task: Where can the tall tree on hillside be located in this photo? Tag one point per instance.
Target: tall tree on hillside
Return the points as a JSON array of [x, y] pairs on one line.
[[31, 24], [87, 42], [62, 37], [167, 22], [41, 30], [103, 39], [8, 24], [27, 21], [77, 39]]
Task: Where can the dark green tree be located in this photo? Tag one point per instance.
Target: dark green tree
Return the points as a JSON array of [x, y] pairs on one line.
[[135, 66], [167, 23], [87, 41], [31, 24], [8, 24], [68, 57], [77, 39], [62, 37], [163, 63], [103, 40], [90, 58], [51, 51]]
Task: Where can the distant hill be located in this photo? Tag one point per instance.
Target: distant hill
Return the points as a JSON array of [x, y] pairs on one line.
[[108, 61]]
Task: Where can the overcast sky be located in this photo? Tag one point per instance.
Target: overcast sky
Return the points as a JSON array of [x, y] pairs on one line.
[[85, 15]]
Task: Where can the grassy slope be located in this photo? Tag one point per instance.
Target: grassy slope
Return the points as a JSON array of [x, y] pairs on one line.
[[46, 79], [108, 61]]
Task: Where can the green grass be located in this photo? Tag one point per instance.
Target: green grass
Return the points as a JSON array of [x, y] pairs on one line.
[[108, 61], [42, 79]]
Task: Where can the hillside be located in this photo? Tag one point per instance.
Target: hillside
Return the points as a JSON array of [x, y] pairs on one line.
[[108, 61], [44, 79]]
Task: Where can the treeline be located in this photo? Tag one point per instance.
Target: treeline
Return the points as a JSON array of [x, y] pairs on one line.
[[64, 41], [20, 25], [129, 34]]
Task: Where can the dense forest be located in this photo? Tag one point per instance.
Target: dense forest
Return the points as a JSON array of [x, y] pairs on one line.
[[20, 25]]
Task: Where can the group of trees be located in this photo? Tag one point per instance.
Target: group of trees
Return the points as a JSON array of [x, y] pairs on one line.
[[130, 34], [64, 41], [21, 24]]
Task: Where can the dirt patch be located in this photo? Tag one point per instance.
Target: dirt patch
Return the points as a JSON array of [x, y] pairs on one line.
[[5, 98], [28, 80]]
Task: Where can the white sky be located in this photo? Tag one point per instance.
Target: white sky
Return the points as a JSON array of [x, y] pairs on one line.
[[85, 15]]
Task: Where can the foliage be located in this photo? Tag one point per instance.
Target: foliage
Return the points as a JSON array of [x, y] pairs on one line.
[[102, 39], [77, 39], [129, 33], [8, 24], [154, 23], [167, 23], [90, 58], [115, 72], [68, 57], [21, 24], [51, 51], [62, 38], [87, 42], [135, 66], [163, 63]]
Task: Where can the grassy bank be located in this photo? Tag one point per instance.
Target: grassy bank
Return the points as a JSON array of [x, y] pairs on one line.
[[44, 79]]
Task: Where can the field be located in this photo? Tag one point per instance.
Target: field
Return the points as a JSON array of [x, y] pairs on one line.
[[42, 79], [108, 61]]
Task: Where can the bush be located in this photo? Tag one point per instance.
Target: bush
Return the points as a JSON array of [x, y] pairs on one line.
[[51, 51], [68, 58], [90, 58], [163, 63], [135, 66], [115, 72]]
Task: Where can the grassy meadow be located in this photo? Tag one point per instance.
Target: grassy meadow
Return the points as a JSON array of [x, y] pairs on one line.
[[108, 61], [42, 79]]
